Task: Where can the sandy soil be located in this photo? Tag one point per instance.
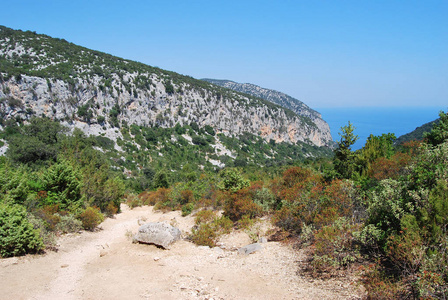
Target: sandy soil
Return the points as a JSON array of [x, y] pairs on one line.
[[106, 265]]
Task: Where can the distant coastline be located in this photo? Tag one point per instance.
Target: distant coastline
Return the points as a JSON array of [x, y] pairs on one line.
[[378, 120]]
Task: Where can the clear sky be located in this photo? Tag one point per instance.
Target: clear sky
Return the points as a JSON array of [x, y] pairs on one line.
[[325, 53]]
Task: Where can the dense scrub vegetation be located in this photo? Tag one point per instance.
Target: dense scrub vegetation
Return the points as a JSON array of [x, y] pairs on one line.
[[52, 183], [381, 211]]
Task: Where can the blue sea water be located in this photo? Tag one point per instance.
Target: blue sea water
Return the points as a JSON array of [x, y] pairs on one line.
[[378, 120]]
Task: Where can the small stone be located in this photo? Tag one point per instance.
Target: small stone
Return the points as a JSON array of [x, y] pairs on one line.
[[64, 266], [250, 249], [218, 250], [156, 258], [103, 253], [263, 240]]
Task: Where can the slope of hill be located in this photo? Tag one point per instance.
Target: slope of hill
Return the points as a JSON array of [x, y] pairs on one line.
[[131, 106], [42, 75], [417, 134]]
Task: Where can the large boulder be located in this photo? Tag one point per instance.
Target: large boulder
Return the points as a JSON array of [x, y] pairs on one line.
[[159, 234]]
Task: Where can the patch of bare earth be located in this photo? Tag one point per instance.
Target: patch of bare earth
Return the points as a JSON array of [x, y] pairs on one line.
[[106, 265]]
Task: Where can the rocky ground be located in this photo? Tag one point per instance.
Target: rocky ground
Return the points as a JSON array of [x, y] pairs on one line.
[[107, 265]]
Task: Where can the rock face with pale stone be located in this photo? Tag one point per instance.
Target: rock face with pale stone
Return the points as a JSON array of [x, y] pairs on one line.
[[157, 233]]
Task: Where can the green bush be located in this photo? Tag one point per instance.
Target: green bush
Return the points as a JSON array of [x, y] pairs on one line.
[[232, 180], [264, 198], [133, 201], [187, 209], [17, 235], [63, 184]]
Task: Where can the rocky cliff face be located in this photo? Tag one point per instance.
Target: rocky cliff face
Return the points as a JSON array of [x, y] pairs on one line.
[[41, 76], [273, 96]]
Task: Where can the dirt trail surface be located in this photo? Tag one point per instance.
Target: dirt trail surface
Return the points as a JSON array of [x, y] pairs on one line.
[[106, 265]]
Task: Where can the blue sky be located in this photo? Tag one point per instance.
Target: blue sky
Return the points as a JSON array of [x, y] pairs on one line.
[[325, 53]]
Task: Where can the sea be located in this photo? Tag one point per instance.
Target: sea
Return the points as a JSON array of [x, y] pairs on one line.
[[377, 120]]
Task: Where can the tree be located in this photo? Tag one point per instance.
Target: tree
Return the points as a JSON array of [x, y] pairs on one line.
[[17, 235], [63, 184], [344, 159], [232, 180], [375, 147], [169, 88], [209, 129], [179, 129], [439, 132], [161, 180], [37, 141]]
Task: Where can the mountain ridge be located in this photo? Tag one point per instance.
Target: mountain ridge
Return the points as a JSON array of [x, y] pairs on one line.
[[124, 104]]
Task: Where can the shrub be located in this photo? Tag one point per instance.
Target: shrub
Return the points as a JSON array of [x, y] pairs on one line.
[[161, 179], [245, 223], [133, 201], [90, 218], [187, 209], [186, 196], [48, 237], [334, 247], [163, 200], [69, 224], [297, 175], [17, 235], [111, 209], [204, 216], [239, 204], [49, 215], [209, 228], [264, 198], [232, 180], [380, 286], [204, 235], [152, 198], [288, 218], [62, 183]]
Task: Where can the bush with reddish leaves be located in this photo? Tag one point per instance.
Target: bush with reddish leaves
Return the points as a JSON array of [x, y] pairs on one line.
[[91, 217], [239, 204]]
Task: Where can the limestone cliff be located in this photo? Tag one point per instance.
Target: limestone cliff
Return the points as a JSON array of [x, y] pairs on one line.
[[42, 76]]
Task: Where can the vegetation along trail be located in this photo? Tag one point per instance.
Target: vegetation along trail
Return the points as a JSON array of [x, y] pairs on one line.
[[106, 265]]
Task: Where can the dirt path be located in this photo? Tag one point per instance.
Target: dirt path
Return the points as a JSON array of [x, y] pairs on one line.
[[106, 265]]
